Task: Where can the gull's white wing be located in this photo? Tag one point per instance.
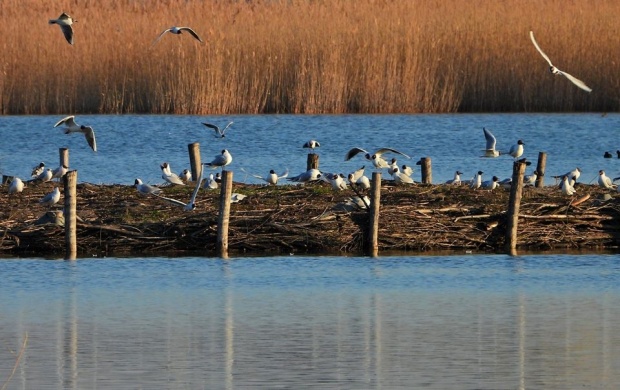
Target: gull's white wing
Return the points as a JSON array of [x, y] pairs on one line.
[[173, 201], [160, 35], [387, 150], [192, 32], [69, 121], [227, 126], [353, 152], [576, 81], [284, 174], [251, 174], [542, 53], [192, 200], [214, 127], [89, 133], [491, 141]]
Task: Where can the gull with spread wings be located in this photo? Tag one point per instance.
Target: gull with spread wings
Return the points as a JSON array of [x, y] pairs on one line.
[[177, 31], [375, 157], [72, 127]]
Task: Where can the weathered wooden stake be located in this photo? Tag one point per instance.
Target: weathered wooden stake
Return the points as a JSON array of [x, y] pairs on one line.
[[70, 182], [223, 219], [372, 245], [312, 162], [194, 159], [514, 204], [540, 168], [64, 157], [427, 170]]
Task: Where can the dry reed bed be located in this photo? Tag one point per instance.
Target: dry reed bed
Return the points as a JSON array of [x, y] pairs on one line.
[[116, 220], [331, 56]]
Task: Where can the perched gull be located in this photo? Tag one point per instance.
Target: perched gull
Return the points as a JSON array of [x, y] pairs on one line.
[[566, 187], [43, 177], [530, 180], [37, 169], [169, 176], [406, 169], [146, 188], [177, 30], [516, 150], [605, 181], [336, 180], [210, 183], [59, 172], [401, 178], [477, 181], [272, 178], [555, 70], [191, 205], [221, 160], [375, 157], [490, 184], [312, 144], [16, 186], [308, 176], [72, 127], [457, 178], [186, 175], [572, 175], [219, 133], [358, 179], [65, 21], [52, 198]]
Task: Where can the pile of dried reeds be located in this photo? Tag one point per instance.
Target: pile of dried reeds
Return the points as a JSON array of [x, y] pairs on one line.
[[117, 220]]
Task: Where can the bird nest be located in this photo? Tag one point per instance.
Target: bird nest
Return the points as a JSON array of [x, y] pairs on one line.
[[117, 220]]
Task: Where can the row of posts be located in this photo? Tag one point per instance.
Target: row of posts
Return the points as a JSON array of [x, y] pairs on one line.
[[372, 241]]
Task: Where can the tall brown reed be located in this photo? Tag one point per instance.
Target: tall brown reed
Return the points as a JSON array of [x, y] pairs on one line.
[[294, 56]]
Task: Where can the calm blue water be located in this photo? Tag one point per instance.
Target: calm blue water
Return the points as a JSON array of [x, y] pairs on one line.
[[474, 322], [132, 146]]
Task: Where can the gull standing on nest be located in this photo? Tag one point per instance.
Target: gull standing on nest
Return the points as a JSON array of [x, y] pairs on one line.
[[65, 21], [178, 31], [72, 127]]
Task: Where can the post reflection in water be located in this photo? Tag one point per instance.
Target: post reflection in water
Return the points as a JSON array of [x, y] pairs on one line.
[[434, 322]]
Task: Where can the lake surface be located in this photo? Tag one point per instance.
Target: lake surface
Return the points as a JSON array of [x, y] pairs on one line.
[[444, 322], [133, 146]]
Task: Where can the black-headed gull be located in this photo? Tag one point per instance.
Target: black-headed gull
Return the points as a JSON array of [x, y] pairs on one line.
[[308, 176], [43, 177], [59, 172], [178, 31], [336, 180], [566, 186], [457, 179], [604, 180], [490, 150], [146, 189], [516, 150], [553, 69], [210, 183], [37, 169], [169, 176], [477, 180], [52, 198], [236, 197], [375, 157], [191, 205], [72, 127], [221, 160], [490, 184], [312, 144], [219, 133], [272, 178], [65, 21], [16, 186], [186, 175], [530, 180], [401, 178], [572, 175]]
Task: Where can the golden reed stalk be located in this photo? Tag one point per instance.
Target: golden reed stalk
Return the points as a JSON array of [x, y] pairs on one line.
[[294, 56]]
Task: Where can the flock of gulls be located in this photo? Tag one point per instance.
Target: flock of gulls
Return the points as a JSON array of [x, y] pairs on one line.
[[401, 174]]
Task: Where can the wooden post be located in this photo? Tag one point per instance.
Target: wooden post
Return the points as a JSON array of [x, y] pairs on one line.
[[70, 182], [540, 168], [312, 162], [223, 219], [64, 157], [194, 159], [514, 204], [372, 244], [427, 170]]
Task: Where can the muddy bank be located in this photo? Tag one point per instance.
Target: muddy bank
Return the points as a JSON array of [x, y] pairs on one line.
[[117, 220]]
